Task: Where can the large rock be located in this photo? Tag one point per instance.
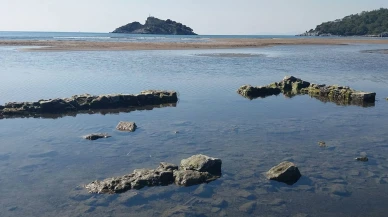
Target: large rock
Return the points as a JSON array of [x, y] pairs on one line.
[[86, 102], [126, 126], [202, 163], [285, 172]]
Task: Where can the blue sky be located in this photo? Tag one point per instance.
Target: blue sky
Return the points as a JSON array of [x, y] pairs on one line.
[[204, 16]]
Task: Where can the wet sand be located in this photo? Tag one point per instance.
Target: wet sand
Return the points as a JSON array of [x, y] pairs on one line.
[[211, 44]]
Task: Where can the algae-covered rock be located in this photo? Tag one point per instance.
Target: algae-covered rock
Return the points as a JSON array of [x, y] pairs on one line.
[[253, 92], [285, 172], [291, 86]]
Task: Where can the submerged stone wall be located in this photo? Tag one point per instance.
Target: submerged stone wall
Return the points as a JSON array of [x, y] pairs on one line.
[[87, 102]]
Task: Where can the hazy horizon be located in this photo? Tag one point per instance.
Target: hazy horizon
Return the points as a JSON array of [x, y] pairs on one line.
[[253, 17]]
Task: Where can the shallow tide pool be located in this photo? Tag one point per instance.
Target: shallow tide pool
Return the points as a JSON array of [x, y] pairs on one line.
[[44, 162]]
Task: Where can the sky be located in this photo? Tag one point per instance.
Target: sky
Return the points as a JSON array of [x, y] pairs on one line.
[[206, 17]]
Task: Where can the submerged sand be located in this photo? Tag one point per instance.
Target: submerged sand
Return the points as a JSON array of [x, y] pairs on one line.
[[211, 44]]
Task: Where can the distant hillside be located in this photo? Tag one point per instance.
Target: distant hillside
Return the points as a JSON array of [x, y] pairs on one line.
[[372, 23], [156, 26]]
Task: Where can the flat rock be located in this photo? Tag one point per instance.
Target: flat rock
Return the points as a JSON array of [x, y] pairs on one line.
[[86, 102], [202, 163], [285, 172], [95, 136], [126, 126]]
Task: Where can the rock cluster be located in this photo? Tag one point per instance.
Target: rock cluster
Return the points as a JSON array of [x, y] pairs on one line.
[[194, 170], [285, 172], [85, 102], [291, 85]]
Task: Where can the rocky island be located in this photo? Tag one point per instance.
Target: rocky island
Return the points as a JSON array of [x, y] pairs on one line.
[[367, 23], [154, 25]]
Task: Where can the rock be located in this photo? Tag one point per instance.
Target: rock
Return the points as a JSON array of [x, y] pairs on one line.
[[291, 86], [155, 26], [126, 126], [165, 174], [138, 179], [322, 144], [202, 163], [255, 92], [285, 172], [95, 136], [248, 207], [192, 177], [363, 159], [84, 102]]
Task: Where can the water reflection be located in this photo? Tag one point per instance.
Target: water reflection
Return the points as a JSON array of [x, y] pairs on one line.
[[90, 112]]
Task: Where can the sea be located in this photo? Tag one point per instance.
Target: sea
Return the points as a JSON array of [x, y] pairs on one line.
[[45, 162]]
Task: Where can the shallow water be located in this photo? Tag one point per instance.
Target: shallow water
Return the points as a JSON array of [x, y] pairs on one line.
[[44, 162]]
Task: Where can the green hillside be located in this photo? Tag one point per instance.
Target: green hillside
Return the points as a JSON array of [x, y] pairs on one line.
[[372, 23]]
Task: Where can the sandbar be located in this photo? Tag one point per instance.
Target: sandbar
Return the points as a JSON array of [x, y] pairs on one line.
[[52, 45]]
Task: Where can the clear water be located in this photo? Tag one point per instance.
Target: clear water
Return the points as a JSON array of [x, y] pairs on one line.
[[44, 162]]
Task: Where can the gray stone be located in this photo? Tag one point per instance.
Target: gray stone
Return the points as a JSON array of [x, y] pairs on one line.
[[202, 163], [285, 172], [95, 136], [126, 126]]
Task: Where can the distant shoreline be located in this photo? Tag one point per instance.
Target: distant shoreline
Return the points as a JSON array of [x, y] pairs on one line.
[[211, 44]]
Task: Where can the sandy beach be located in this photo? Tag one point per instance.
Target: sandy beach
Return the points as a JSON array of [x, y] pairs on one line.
[[211, 44]]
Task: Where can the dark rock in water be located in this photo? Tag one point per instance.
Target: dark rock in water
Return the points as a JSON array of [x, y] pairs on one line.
[[363, 159], [291, 86], [85, 102], [95, 136], [165, 174], [202, 163], [285, 172], [255, 92], [126, 126], [192, 177], [155, 26]]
